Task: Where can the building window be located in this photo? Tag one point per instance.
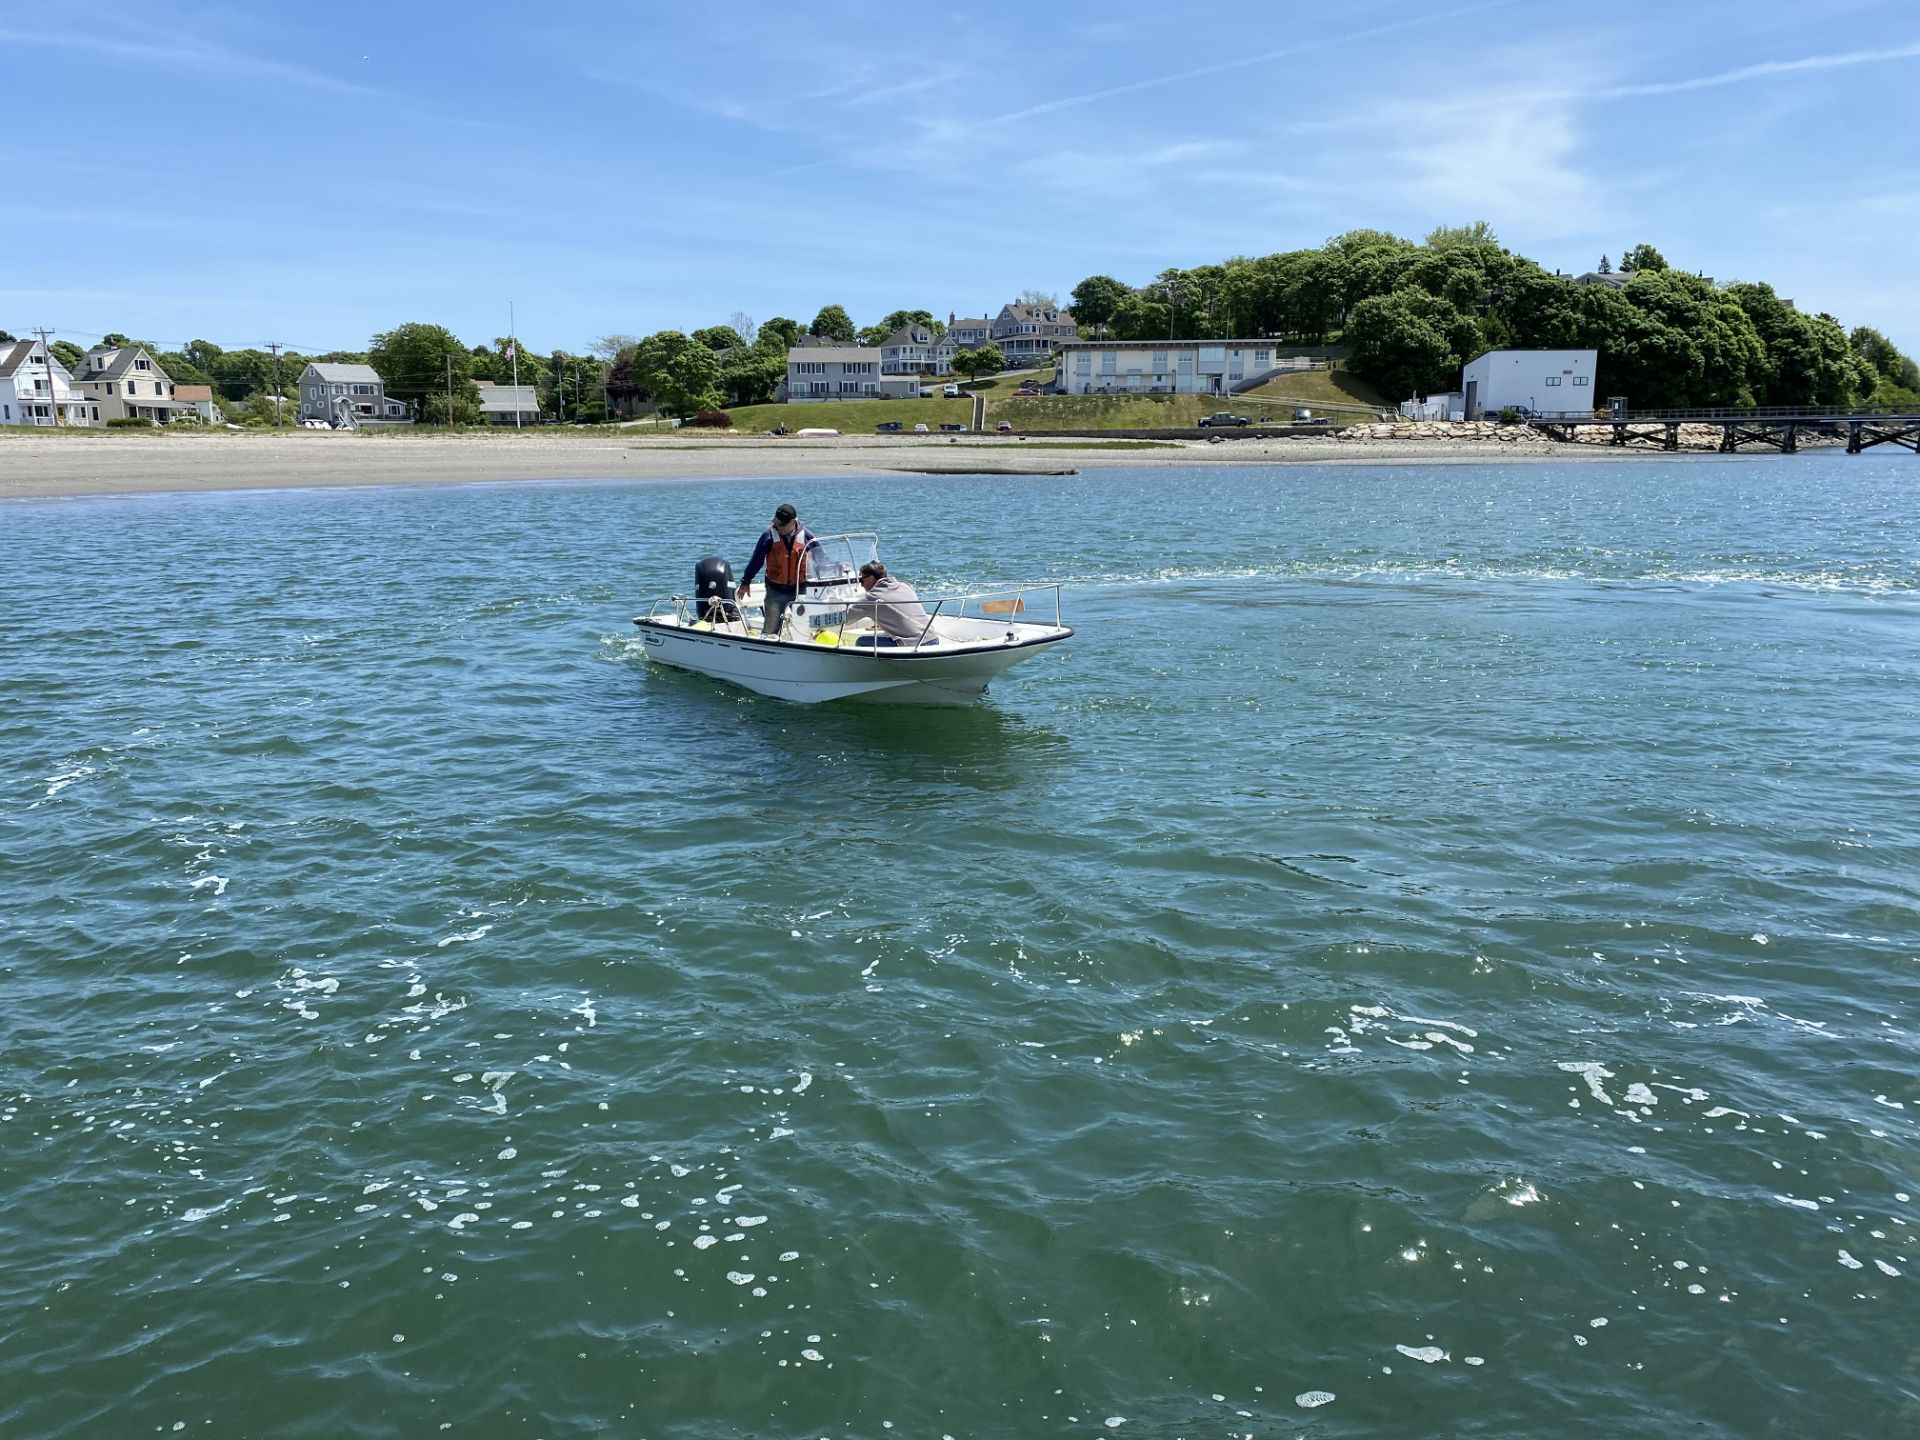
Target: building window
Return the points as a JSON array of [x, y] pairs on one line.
[[96, 412], [110, 387], [1553, 380], [1159, 361], [1260, 357], [141, 365], [1579, 379]]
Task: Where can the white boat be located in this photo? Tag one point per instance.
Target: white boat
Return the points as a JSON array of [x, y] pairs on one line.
[[817, 656]]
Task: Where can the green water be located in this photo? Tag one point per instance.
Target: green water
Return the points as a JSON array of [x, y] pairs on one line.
[[1444, 939]]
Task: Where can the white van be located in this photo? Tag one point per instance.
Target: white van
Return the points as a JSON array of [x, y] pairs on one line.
[[952, 392]]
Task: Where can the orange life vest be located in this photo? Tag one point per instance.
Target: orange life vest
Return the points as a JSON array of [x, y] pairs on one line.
[[787, 559]]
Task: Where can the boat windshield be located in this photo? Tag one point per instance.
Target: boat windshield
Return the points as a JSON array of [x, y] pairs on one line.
[[836, 559]]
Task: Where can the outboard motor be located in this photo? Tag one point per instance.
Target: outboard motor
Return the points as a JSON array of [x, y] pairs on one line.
[[713, 590]]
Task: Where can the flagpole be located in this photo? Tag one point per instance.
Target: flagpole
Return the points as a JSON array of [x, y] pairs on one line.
[[513, 347]]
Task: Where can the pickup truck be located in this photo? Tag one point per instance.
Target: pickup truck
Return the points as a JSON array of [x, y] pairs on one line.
[[1221, 418]]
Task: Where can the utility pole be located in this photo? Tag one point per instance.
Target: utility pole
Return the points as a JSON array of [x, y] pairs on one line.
[[52, 390], [513, 353], [278, 404]]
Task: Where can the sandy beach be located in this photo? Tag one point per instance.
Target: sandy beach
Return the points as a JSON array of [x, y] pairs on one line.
[[42, 465]]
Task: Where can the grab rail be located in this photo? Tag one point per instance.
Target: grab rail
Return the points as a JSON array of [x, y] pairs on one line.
[[1001, 604]]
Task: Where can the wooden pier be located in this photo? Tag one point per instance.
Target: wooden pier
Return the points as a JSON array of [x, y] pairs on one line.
[[1778, 428]]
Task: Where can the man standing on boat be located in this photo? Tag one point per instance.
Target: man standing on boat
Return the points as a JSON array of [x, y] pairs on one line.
[[783, 549], [892, 606]]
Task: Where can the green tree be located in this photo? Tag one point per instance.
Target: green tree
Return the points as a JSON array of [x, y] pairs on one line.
[[417, 360], [871, 335], [201, 354], [981, 360], [240, 373], [896, 319], [1881, 355], [1039, 297], [1367, 263], [751, 374], [1643, 257], [1409, 343], [780, 334], [683, 374], [1454, 237], [462, 407], [1714, 355], [833, 323], [1097, 299], [1605, 267], [1805, 360], [719, 338], [181, 370]]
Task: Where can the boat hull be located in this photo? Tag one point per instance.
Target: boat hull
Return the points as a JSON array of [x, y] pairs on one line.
[[811, 674]]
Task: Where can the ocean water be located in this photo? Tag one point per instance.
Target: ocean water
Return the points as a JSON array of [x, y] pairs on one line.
[[1436, 953]]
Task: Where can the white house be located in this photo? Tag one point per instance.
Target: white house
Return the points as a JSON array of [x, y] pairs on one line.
[[1179, 367], [843, 372], [348, 396], [33, 383], [1547, 382]]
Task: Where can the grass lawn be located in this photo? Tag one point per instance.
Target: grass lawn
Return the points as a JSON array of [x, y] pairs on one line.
[[1334, 391], [853, 417], [1105, 412]]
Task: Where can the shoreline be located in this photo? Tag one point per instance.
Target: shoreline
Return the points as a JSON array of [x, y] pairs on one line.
[[41, 466]]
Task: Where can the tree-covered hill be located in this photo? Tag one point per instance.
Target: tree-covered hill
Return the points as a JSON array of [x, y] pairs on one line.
[[1409, 315]]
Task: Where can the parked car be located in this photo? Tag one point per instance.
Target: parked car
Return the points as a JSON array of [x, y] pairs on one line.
[[953, 429], [921, 428], [1222, 418], [889, 427], [1005, 427], [1026, 390], [952, 392], [1307, 417]]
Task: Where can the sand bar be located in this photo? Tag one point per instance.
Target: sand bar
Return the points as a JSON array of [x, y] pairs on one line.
[[41, 465]]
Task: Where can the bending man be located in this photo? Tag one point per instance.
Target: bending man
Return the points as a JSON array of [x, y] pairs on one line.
[[892, 607]]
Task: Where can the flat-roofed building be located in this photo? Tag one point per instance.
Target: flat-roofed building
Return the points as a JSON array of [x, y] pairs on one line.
[[1547, 382], [1168, 367]]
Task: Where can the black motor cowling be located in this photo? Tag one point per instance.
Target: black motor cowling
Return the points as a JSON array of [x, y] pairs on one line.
[[713, 590]]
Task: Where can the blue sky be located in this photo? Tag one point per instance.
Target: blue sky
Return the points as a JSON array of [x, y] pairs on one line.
[[247, 173]]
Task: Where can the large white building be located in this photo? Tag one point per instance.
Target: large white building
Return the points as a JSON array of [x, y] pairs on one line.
[[1177, 367], [1546, 382], [33, 384]]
